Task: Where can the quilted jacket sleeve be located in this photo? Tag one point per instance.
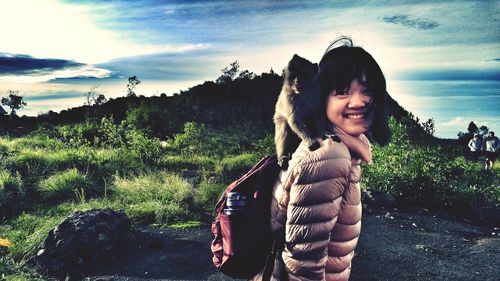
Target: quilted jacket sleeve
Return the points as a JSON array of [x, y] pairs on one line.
[[314, 203]]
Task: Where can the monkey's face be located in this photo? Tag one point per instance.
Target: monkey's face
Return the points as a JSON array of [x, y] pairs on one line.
[[350, 109], [301, 74]]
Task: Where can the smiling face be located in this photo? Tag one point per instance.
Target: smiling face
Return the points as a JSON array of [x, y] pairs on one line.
[[354, 88], [349, 108]]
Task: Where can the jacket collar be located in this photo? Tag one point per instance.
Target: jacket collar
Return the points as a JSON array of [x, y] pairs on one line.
[[359, 146]]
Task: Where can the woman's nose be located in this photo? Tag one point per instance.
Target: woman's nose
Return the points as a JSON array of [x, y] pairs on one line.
[[358, 100]]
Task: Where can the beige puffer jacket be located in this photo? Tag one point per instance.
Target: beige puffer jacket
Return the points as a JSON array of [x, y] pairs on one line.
[[318, 199]]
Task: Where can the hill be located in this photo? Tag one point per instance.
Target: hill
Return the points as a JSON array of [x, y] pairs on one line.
[[243, 105], [112, 156]]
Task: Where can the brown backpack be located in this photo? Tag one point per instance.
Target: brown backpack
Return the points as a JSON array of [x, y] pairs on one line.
[[243, 243]]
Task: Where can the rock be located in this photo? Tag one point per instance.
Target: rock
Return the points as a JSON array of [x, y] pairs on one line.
[[81, 241]]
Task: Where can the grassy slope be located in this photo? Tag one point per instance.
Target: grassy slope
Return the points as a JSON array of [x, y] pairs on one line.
[[106, 164]]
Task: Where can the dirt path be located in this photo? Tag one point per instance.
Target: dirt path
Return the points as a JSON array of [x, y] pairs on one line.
[[393, 246]]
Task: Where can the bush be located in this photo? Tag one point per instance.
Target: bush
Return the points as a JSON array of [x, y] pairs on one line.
[[179, 163], [193, 140], [146, 149], [161, 198], [11, 193], [197, 140], [77, 135], [265, 147], [208, 194], [32, 163], [36, 141], [4, 150], [7, 265], [425, 175], [39, 163], [28, 233], [232, 167], [67, 185]]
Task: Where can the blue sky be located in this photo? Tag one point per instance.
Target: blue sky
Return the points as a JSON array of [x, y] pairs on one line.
[[53, 52]]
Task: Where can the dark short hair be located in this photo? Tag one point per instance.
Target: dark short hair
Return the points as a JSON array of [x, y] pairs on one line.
[[342, 63]]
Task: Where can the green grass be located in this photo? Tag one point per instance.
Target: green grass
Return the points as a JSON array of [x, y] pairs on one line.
[[185, 225], [428, 175], [161, 198], [208, 194], [179, 163], [234, 166], [43, 179], [66, 185], [27, 233], [496, 167], [11, 192]]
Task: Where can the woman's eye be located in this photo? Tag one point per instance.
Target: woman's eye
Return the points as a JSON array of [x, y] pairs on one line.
[[342, 92], [368, 92]]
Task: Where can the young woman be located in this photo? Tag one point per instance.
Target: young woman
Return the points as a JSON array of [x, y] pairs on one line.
[[318, 199], [475, 146]]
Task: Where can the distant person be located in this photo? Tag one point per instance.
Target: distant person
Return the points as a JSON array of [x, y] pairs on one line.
[[490, 147], [475, 146]]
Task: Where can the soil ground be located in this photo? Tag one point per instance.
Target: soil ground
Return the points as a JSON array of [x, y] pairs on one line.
[[394, 245]]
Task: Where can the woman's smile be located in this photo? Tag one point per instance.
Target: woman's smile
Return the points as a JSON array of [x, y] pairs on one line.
[[354, 115], [350, 110]]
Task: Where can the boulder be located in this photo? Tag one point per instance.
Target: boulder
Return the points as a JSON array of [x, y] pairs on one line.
[[83, 241]]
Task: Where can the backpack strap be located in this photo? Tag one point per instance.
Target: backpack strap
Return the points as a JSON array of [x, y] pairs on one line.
[[278, 245]]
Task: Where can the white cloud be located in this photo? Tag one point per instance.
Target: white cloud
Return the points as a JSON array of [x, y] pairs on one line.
[[83, 71], [52, 29], [457, 121]]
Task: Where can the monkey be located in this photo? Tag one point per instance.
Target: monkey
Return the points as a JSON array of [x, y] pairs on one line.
[[298, 110]]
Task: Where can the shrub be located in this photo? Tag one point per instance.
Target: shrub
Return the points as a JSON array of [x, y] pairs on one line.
[[7, 265], [4, 150], [162, 198], [265, 147], [31, 163], [232, 167], [39, 163], [193, 140], [36, 141], [146, 149], [65, 186], [197, 140], [179, 163], [426, 175], [77, 135], [208, 194], [28, 232], [11, 193], [110, 134], [104, 163]]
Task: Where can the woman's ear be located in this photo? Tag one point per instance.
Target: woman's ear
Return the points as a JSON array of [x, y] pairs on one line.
[[380, 127]]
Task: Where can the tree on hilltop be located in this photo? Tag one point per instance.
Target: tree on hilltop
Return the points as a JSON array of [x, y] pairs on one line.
[[429, 126], [94, 97], [133, 81], [483, 130], [472, 129], [14, 101], [232, 72]]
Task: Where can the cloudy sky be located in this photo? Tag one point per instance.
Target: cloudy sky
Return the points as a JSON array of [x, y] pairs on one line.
[[53, 51]]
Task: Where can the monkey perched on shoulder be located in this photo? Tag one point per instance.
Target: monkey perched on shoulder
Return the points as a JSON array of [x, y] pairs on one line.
[[298, 110]]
